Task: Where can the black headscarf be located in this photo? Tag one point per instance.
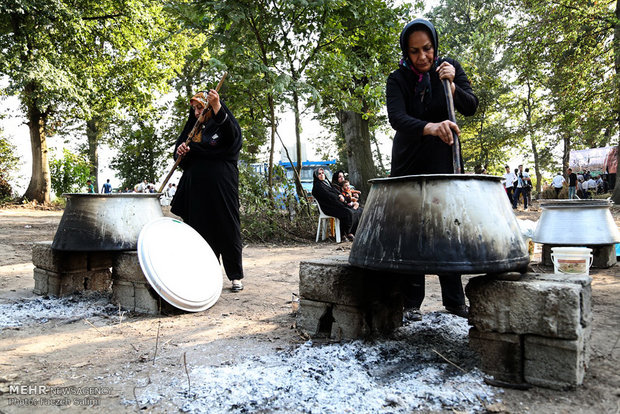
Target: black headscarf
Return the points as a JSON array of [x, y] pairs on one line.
[[423, 87], [335, 182]]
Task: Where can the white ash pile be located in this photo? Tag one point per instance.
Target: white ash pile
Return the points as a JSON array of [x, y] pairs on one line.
[[43, 309], [408, 373]]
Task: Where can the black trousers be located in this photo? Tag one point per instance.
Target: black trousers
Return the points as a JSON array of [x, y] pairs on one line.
[[509, 191], [452, 294]]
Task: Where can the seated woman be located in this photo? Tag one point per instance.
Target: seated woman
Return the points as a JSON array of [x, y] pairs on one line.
[[332, 203]]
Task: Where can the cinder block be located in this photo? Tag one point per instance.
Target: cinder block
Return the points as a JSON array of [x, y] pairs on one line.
[[99, 280], [53, 284], [46, 258], [555, 363], [100, 260], [146, 299], [331, 280], [123, 294], [501, 354], [527, 306], [334, 280], [41, 286], [586, 291], [126, 266], [603, 257], [384, 315], [96, 280], [315, 317], [349, 323]]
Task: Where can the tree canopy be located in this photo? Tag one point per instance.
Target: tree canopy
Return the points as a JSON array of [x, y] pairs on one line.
[[546, 73]]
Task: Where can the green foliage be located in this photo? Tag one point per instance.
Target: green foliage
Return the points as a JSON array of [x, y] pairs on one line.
[[474, 33], [69, 173], [142, 153], [262, 220], [8, 160]]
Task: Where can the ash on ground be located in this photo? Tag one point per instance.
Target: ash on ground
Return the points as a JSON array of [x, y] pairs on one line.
[[67, 308], [406, 373]]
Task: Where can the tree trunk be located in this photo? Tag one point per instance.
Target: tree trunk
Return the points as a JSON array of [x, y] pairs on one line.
[[616, 194], [272, 121], [300, 190], [359, 155], [536, 165], [40, 185], [94, 131]]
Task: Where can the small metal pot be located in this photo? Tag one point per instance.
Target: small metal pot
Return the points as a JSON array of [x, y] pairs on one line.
[[441, 223], [576, 223], [105, 222]]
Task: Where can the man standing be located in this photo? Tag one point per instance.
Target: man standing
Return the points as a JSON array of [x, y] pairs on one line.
[[107, 187], [523, 180], [557, 183], [509, 179], [572, 183]]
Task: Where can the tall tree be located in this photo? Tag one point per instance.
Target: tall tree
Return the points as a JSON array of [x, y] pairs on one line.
[[132, 51], [39, 39], [616, 194], [571, 43]]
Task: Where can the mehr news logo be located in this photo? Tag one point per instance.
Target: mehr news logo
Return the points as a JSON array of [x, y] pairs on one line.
[[44, 395]]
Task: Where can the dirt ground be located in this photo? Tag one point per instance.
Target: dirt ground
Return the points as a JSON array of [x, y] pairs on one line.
[[122, 355]]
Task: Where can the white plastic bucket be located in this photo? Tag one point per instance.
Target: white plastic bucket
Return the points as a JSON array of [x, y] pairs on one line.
[[571, 260]]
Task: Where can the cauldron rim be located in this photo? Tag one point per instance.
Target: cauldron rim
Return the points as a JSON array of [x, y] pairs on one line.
[[574, 203], [120, 195], [429, 177]]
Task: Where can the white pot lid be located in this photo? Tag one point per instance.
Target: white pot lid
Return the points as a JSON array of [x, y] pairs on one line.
[[179, 264]]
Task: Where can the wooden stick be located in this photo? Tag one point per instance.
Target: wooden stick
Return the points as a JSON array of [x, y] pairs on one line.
[[193, 132], [456, 147], [448, 361]]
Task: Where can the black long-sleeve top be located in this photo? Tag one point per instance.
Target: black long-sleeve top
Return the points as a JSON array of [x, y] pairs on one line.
[[413, 152]]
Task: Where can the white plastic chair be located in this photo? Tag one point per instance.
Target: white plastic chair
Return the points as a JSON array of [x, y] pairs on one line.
[[324, 220]]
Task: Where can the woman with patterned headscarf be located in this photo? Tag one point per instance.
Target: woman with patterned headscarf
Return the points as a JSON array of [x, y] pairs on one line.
[[207, 197], [418, 111]]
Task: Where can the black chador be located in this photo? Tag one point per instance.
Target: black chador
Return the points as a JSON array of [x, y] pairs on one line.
[[208, 193]]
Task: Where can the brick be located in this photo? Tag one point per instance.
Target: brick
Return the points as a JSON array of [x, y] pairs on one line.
[[46, 258], [501, 354], [315, 318], [556, 363], [126, 266], [527, 306]]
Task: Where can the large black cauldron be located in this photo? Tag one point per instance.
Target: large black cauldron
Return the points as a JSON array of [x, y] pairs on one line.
[[434, 224], [105, 222]]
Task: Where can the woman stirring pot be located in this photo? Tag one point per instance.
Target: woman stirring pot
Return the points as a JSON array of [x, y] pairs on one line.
[[418, 111]]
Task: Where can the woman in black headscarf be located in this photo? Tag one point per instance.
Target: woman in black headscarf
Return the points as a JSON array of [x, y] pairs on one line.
[[337, 180], [332, 203], [207, 197], [418, 111]]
